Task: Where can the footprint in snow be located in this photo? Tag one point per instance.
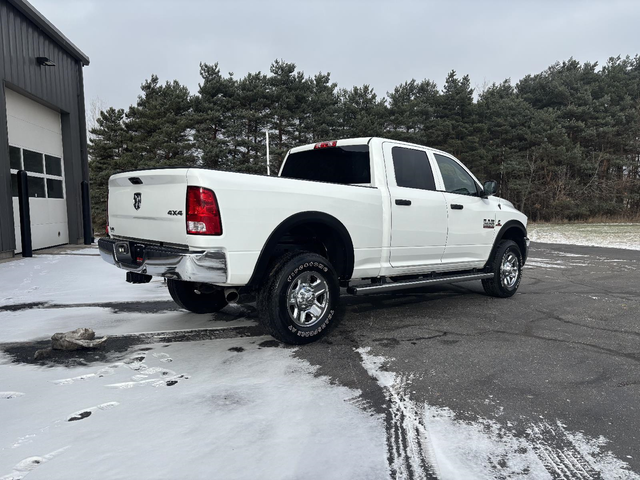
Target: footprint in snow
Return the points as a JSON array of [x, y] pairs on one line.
[[87, 412], [103, 372], [10, 395], [154, 382], [163, 357], [68, 381], [24, 467], [106, 371]]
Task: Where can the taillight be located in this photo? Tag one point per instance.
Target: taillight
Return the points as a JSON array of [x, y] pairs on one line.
[[203, 214], [325, 144]]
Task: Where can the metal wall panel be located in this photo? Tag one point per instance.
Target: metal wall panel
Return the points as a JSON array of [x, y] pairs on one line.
[[60, 88]]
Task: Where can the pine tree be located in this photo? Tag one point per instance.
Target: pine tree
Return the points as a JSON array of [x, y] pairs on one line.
[[247, 131], [362, 114], [455, 129], [323, 110], [160, 126], [106, 149], [288, 95], [213, 113]]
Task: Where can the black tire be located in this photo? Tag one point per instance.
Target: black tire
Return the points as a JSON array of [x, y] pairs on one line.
[[495, 286], [301, 276], [197, 297]]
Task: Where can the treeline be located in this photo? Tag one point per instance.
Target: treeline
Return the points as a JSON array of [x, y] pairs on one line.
[[563, 144]]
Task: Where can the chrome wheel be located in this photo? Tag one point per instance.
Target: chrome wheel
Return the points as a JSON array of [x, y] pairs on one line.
[[307, 299], [509, 270]]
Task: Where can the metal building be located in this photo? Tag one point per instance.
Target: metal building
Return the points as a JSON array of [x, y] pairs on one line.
[[42, 129]]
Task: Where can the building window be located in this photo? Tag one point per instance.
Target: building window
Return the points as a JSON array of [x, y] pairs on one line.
[[33, 161], [15, 158], [45, 173], [14, 185], [54, 188], [53, 165], [36, 187]]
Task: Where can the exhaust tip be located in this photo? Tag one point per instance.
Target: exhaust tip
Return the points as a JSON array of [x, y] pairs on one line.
[[231, 295]]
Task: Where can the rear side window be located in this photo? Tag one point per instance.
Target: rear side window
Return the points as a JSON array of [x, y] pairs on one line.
[[412, 168], [456, 179], [343, 165]]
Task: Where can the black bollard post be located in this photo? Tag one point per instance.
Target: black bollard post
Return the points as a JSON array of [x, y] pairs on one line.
[[86, 213], [25, 215]]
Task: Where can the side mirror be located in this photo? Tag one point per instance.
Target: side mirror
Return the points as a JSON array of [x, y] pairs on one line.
[[490, 188]]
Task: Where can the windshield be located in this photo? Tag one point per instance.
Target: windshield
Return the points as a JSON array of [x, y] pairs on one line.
[[344, 165]]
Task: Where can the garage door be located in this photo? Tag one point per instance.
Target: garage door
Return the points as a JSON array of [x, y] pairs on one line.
[[35, 145]]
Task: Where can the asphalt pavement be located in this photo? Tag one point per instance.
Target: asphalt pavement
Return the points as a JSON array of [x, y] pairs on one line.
[[566, 347]]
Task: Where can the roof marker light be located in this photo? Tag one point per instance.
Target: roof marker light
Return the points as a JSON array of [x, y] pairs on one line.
[[326, 144]]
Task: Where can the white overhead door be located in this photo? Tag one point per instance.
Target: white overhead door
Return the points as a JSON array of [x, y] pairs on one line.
[[35, 145]]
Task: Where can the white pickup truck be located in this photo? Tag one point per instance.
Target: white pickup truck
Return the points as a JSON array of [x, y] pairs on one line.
[[370, 215]]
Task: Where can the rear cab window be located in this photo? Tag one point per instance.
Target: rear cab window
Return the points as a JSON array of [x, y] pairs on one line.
[[345, 165]]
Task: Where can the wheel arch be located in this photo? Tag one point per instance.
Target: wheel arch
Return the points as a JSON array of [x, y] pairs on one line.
[[512, 230], [321, 228]]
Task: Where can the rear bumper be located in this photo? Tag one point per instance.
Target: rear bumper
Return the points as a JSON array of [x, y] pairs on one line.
[[160, 261]]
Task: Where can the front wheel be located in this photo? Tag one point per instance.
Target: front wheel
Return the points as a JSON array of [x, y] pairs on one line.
[[507, 267], [298, 302], [197, 297]]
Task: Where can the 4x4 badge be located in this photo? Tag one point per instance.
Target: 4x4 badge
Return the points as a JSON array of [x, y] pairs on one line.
[[137, 200]]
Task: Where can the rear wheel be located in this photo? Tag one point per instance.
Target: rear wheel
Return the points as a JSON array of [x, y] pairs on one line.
[[507, 267], [197, 297], [298, 301]]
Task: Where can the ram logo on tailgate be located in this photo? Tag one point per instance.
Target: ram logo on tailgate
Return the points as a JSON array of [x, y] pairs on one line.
[[137, 200]]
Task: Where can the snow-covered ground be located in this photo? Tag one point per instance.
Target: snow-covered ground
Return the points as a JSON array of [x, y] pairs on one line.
[[193, 410], [71, 279], [228, 408], [612, 235]]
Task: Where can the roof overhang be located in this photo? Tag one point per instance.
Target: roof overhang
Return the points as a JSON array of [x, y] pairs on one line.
[[47, 27]]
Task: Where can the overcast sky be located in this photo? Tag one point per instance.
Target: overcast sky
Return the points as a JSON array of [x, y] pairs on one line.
[[375, 42]]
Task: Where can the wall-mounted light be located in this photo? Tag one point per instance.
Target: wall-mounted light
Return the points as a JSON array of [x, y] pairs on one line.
[[45, 62]]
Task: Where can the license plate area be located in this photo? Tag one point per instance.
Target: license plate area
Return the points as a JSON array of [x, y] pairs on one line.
[[129, 253]]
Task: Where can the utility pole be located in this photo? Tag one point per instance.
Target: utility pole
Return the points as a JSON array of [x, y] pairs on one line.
[[268, 167]]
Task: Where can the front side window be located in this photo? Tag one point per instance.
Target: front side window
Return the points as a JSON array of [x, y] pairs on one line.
[[412, 168], [456, 179]]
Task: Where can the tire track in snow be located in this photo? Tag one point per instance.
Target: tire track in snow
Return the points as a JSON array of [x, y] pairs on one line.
[[426, 442], [410, 454], [559, 455]]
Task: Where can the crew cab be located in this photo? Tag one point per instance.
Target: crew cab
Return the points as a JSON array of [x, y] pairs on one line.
[[361, 215]]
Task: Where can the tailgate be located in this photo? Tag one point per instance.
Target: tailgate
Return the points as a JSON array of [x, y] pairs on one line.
[[149, 205]]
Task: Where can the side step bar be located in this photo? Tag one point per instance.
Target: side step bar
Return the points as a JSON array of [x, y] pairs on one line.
[[392, 286]]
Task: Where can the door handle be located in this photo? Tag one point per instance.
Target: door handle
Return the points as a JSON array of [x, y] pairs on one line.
[[456, 206], [400, 201]]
